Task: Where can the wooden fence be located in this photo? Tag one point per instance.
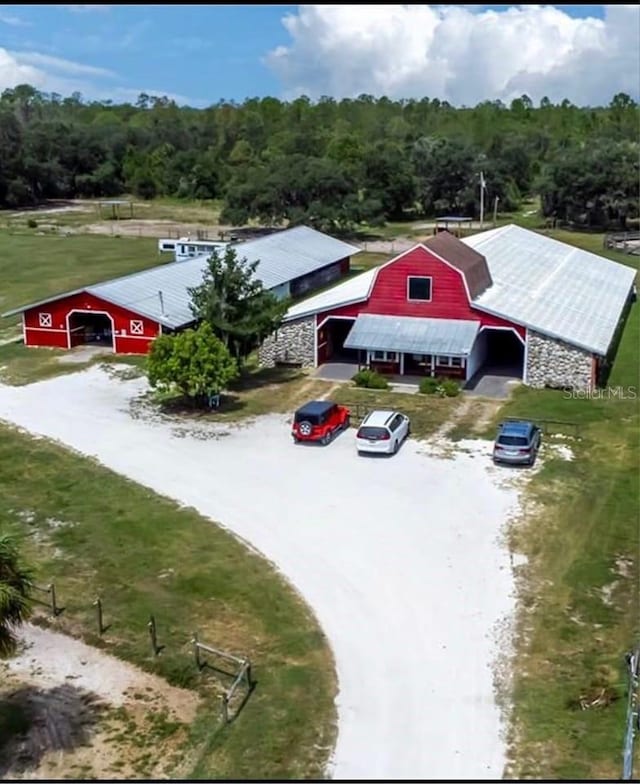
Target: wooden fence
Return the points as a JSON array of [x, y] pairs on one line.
[[243, 673], [626, 241]]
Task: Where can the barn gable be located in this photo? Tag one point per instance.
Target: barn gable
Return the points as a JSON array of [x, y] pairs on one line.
[[420, 283], [67, 321]]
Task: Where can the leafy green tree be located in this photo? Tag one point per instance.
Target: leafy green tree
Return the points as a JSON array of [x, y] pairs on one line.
[[594, 186], [195, 362], [235, 304], [15, 593]]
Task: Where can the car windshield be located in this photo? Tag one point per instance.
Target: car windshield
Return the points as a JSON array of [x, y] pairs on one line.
[[513, 441], [372, 432]]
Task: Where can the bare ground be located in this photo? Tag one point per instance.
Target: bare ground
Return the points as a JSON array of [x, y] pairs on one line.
[[89, 715]]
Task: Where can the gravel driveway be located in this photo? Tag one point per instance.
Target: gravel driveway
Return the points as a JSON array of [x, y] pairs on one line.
[[401, 560]]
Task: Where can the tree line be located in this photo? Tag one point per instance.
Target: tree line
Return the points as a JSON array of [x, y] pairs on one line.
[[331, 164]]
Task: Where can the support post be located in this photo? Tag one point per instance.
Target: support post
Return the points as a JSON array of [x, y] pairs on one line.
[[98, 605], [196, 650], [153, 634], [225, 709], [54, 606]]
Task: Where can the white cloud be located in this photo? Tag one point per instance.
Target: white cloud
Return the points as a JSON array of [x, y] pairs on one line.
[[459, 54], [13, 21], [55, 75], [60, 65]]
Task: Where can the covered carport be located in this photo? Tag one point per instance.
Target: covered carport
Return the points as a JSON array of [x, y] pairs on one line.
[[496, 360], [332, 333]]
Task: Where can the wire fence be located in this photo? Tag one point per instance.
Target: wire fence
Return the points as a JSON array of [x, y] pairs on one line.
[[633, 714], [551, 425]]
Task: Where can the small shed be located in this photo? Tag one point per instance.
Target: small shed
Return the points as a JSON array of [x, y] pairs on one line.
[[453, 224], [114, 208]]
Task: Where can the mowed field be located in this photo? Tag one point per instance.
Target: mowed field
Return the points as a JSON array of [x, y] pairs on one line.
[[577, 593], [34, 266]]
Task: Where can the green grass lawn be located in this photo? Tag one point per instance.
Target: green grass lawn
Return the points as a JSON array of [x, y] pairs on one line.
[[33, 267], [145, 555], [579, 591]]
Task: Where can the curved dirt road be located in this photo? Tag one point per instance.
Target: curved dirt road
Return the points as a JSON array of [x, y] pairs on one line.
[[399, 558]]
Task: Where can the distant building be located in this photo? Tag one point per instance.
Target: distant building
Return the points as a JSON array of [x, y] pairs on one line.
[[128, 313], [186, 248]]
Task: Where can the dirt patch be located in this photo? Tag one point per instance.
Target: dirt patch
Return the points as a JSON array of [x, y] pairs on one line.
[[87, 714], [81, 354], [152, 227]]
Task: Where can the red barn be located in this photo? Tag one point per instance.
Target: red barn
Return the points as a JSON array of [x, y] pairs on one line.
[[81, 317], [127, 313], [507, 297]]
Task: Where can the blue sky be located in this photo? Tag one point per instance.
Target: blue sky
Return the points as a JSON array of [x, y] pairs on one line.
[[202, 54]]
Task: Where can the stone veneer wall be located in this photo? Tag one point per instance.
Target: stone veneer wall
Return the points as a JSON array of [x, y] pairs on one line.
[[553, 363], [294, 341]]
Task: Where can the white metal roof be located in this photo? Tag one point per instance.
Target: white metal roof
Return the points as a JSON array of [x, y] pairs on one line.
[[453, 337], [282, 257], [552, 287], [354, 289], [286, 255]]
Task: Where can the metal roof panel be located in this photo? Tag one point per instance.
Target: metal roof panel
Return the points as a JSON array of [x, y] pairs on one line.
[[448, 337], [552, 287]]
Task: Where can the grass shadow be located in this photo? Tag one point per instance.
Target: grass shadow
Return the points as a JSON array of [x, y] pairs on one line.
[[263, 377], [235, 710]]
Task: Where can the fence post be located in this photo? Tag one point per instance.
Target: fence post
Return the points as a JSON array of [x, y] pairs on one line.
[[153, 634], [54, 606], [196, 650], [633, 713], [98, 605], [248, 674], [225, 709]]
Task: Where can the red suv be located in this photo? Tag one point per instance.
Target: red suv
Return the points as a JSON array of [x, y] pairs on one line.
[[319, 420]]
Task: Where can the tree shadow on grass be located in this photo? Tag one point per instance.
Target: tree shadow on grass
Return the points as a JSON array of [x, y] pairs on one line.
[[36, 721], [263, 377]]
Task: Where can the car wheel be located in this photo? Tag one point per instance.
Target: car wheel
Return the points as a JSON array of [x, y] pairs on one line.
[[326, 438], [347, 423], [305, 428], [396, 446]]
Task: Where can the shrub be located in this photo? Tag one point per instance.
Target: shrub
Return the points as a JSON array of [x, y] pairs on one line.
[[429, 386], [450, 387], [32, 223], [369, 379]]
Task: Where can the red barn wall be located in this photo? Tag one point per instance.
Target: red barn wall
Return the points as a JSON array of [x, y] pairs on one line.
[[448, 294], [57, 335]]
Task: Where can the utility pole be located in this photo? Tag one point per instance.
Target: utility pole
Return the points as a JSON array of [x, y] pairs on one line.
[[482, 187], [495, 211]]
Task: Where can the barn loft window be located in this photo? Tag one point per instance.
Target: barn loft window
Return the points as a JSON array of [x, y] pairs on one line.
[[136, 327], [419, 289], [44, 319]]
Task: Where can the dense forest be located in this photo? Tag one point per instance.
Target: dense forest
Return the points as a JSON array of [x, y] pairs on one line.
[[332, 164]]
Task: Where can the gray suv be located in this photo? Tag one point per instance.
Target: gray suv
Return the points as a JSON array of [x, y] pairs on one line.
[[517, 442]]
